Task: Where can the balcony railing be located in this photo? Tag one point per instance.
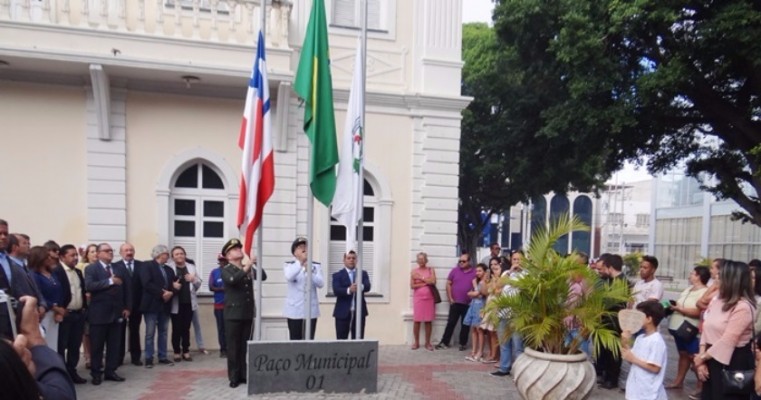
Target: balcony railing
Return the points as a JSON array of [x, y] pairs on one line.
[[221, 21]]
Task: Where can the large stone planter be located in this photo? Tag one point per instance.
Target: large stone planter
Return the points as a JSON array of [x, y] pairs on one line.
[[543, 376]]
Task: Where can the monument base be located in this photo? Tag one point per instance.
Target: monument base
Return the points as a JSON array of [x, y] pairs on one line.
[[338, 366]]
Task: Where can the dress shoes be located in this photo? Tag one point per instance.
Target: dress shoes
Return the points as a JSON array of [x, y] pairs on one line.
[[77, 379], [114, 377], [137, 363], [608, 385], [463, 348], [165, 362], [499, 373], [234, 384], [96, 380]]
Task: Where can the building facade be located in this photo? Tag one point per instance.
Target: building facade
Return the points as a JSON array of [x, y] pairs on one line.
[[691, 226], [120, 123]]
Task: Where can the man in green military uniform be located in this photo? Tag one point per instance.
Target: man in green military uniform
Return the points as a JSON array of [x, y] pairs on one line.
[[240, 309]]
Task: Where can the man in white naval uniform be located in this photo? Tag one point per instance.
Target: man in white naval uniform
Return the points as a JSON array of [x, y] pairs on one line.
[[295, 301]]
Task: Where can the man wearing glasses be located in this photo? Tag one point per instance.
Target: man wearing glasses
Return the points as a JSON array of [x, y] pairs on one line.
[[459, 283], [109, 307]]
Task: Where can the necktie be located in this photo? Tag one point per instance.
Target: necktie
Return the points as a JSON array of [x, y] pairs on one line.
[[129, 265], [108, 270], [351, 276]]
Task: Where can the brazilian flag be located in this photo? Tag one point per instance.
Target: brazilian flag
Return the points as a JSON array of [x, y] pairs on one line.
[[314, 85]]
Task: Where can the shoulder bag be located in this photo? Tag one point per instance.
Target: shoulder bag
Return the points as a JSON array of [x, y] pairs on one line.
[[741, 381]]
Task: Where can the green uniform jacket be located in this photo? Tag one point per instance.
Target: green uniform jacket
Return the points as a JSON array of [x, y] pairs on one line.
[[239, 293]]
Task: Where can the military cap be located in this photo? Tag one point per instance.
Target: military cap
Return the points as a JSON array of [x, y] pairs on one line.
[[232, 243], [298, 242]]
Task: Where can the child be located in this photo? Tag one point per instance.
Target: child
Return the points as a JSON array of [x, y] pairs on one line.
[[648, 356], [473, 316]]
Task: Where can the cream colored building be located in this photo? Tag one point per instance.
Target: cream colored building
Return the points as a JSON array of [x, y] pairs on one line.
[[120, 121]]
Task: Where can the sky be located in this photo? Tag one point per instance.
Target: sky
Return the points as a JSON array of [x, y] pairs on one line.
[[480, 11]]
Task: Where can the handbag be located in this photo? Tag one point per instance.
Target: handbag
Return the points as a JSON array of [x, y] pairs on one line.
[[741, 381], [435, 293], [687, 331]]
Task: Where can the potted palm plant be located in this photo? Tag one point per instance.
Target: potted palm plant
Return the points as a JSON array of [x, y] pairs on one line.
[[540, 309]]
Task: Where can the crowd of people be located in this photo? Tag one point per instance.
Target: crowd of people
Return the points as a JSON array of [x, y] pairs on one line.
[[74, 297], [83, 298], [713, 322]]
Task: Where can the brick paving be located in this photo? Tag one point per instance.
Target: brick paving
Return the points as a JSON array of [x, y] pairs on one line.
[[403, 374]]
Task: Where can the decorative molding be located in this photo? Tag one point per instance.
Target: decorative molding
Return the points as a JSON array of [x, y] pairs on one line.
[[439, 62], [101, 91], [283, 113], [141, 63]]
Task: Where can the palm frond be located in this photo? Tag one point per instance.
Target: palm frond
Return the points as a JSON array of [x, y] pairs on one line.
[[540, 308]]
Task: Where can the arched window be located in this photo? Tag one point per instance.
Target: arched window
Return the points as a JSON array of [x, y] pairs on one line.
[[559, 205], [582, 208], [338, 239], [197, 212]]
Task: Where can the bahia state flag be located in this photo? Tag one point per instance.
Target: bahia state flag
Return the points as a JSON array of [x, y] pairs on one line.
[[258, 164]]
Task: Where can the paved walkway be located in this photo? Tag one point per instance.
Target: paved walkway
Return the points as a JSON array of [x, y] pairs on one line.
[[404, 374]]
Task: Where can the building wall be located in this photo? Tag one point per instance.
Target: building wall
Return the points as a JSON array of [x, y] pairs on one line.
[[117, 183], [44, 177]]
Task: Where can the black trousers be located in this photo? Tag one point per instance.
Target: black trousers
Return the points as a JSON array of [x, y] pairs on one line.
[[106, 336], [610, 365], [131, 326], [713, 388], [181, 328], [237, 334], [456, 311], [70, 338], [297, 328], [347, 326]]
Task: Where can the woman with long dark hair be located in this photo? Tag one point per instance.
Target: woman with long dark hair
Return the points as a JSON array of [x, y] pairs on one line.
[[727, 331], [42, 263]]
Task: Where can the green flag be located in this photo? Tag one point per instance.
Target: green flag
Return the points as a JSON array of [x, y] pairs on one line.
[[314, 85]]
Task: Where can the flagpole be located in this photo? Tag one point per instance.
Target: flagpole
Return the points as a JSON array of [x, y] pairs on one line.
[[259, 237], [360, 227], [308, 268]]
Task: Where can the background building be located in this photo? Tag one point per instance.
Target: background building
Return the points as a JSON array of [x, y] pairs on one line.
[[121, 118], [691, 225]]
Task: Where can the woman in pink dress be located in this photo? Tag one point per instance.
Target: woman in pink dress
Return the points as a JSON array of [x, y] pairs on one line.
[[423, 308]]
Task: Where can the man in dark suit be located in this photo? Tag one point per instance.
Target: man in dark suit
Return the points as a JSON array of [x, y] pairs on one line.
[[133, 267], [72, 327], [109, 306], [240, 309], [345, 288], [158, 285], [14, 279]]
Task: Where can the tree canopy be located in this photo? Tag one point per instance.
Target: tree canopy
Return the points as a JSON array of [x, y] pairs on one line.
[[571, 89]]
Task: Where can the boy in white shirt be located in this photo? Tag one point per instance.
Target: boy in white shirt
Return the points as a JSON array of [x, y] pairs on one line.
[[648, 356]]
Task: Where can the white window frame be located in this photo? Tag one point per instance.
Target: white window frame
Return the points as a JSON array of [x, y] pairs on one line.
[[204, 260], [387, 29], [164, 191]]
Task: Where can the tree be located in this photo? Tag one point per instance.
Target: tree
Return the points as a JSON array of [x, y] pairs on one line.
[[677, 81], [505, 156]]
